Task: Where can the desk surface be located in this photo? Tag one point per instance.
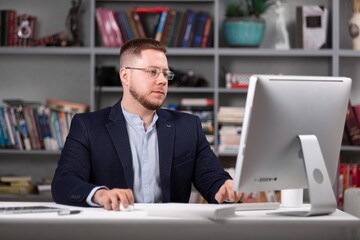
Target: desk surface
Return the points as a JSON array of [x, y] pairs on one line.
[[98, 223]]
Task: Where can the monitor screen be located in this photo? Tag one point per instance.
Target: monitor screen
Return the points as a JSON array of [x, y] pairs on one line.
[[278, 110]]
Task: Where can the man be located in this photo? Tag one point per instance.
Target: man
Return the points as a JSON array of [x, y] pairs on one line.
[[135, 151]]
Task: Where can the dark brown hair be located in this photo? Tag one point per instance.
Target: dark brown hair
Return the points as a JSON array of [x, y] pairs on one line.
[[135, 46]]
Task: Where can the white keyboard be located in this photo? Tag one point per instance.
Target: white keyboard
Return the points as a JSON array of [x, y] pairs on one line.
[[256, 206]]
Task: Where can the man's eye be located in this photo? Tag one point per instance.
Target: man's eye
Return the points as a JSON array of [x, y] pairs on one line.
[[153, 72]]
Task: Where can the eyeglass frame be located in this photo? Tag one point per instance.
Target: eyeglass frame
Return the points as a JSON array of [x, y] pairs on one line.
[[166, 73]]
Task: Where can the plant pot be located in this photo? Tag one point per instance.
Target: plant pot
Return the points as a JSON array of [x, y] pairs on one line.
[[244, 32]]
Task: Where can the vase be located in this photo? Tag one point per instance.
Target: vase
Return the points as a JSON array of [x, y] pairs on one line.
[[244, 32], [354, 30]]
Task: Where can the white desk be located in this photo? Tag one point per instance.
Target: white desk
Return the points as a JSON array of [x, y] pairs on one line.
[[100, 224]]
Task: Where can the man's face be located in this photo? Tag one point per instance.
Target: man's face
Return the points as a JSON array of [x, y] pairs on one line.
[[148, 90]]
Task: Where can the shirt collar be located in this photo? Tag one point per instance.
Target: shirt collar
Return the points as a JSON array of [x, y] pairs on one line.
[[135, 121]]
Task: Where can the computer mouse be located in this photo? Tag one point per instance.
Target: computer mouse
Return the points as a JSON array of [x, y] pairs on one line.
[[128, 209]]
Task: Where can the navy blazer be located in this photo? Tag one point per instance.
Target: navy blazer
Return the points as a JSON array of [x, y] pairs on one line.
[[97, 153]]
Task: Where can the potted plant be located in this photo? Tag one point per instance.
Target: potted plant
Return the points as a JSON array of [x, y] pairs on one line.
[[243, 25]]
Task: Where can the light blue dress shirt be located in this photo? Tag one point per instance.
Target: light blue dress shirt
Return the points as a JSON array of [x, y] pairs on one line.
[[145, 158]]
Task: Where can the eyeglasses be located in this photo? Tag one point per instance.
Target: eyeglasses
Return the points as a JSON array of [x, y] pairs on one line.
[[155, 72]]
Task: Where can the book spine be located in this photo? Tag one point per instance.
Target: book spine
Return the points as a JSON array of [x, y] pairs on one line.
[[8, 126], [4, 129], [132, 24], [11, 27], [197, 102], [138, 24], [352, 126], [99, 13], [189, 28], [200, 23], [56, 127], [114, 29], [123, 25], [206, 33], [15, 127], [161, 25]]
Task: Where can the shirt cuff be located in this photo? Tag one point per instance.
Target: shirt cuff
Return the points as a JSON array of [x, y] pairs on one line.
[[91, 194]]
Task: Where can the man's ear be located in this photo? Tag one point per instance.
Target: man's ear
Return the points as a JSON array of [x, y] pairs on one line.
[[124, 76]]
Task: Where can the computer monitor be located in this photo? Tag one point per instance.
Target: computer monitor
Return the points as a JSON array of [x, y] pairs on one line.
[[291, 136]]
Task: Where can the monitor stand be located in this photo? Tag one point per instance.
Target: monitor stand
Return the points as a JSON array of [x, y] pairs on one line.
[[321, 194]]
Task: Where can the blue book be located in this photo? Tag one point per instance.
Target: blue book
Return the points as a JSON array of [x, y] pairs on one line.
[[200, 22], [161, 25], [189, 28], [124, 25], [4, 129]]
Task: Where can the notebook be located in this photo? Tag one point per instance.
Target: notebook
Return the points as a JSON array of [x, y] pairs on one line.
[[28, 209]]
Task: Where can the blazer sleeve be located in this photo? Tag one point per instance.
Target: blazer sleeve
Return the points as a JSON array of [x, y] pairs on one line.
[[70, 183], [209, 173]]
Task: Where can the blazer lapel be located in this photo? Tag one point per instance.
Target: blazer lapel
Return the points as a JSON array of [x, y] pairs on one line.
[[119, 135], [166, 133]]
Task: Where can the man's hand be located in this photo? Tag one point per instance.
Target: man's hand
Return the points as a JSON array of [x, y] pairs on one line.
[[110, 199], [226, 192]]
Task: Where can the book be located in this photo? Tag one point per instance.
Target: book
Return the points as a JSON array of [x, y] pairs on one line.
[[173, 30], [189, 28], [108, 27], [206, 34], [66, 106], [19, 188], [237, 80], [150, 18], [352, 125], [131, 23], [56, 39], [168, 27], [124, 26], [5, 138], [200, 22], [15, 178], [161, 25], [197, 102], [138, 25]]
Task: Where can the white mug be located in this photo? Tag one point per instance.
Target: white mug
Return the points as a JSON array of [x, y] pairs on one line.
[[292, 197]]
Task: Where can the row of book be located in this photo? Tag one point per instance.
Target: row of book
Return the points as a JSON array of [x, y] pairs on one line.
[[19, 30], [173, 28], [348, 178], [16, 30], [35, 126], [201, 107], [230, 120], [21, 185]]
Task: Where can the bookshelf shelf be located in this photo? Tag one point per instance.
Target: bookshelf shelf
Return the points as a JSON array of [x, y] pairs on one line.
[[28, 152], [275, 53], [46, 51], [69, 72]]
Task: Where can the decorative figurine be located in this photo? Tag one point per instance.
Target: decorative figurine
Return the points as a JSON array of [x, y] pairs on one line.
[[73, 22], [281, 31]]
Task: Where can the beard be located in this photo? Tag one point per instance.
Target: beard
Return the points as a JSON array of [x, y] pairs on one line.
[[143, 101]]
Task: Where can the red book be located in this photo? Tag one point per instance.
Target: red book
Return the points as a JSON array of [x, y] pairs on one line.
[[100, 19], [340, 197], [354, 175], [11, 27], [108, 28], [352, 126], [152, 9], [197, 102]]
